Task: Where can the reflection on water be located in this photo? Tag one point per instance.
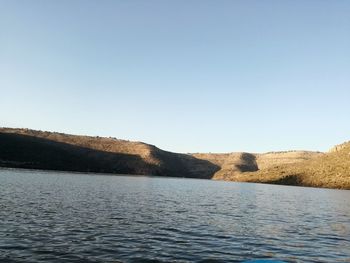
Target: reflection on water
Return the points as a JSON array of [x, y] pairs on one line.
[[57, 217]]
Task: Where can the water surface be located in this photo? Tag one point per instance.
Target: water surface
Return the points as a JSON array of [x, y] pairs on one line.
[[66, 217]]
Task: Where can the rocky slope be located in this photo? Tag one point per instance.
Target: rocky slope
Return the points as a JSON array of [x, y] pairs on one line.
[[235, 165], [24, 148], [230, 163], [331, 170]]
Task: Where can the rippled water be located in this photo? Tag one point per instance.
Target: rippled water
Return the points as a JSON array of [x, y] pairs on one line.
[[63, 217]]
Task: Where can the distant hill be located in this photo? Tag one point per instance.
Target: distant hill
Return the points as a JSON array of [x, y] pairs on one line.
[[331, 170], [25, 148]]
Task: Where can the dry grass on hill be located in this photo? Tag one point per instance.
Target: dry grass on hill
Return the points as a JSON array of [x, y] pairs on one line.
[[25, 148], [230, 163], [331, 170]]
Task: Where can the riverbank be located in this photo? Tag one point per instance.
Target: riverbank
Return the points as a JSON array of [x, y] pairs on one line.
[[32, 149]]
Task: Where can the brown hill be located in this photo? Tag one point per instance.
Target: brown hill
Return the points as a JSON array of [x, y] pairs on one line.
[[331, 170], [235, 166], [24, 148], [230, 163]]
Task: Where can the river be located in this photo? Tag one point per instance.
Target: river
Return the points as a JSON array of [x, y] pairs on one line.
[[69, 217]]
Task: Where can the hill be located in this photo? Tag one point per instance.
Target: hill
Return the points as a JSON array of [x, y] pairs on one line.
[[331, 170], [236, 165], [25, 148]]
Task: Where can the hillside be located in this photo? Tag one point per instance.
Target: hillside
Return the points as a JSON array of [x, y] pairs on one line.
[[25, 148], [236, 165], [331, 170], [230, 163]]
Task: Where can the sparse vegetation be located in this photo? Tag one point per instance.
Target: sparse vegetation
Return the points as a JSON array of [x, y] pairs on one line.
[[330, 170], [25, 148]]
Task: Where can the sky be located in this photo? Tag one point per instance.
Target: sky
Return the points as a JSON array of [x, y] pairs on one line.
[[184, 75]]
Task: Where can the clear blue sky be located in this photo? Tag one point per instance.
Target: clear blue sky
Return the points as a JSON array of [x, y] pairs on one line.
[[187, 76]]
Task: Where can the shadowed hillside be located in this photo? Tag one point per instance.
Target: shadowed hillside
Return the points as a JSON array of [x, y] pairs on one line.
[[230, 163], [24, 148]]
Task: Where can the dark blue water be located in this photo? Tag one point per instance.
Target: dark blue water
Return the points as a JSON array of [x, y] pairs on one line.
[[63, 217]]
